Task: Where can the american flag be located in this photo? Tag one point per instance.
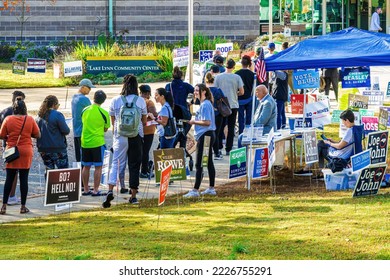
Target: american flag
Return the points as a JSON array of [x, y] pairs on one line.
[[260, 67]]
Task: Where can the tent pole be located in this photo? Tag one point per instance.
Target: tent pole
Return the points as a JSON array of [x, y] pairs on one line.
[[251, 133]]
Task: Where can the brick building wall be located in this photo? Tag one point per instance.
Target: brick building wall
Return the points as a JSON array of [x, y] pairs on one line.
[[149, 20]]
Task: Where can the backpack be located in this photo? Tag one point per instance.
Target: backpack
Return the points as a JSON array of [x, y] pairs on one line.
[[129, 118]]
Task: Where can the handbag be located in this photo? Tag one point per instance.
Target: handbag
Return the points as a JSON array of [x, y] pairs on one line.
[[12, 153], [337, 164], [170, 127], [223, 107]]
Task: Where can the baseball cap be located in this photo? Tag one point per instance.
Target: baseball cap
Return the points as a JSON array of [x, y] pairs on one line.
[[99, 97], [218, 59], [271, 46], [230, 64], [86, 83], [145, 88]]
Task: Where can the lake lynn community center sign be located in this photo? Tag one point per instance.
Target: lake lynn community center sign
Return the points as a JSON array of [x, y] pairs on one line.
[[123, 65]]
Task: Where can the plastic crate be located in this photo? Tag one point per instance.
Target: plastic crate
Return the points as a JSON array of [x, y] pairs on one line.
[[338, 181]]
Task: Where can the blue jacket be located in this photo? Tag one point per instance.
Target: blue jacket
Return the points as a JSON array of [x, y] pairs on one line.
[[266, 113], [53, 132], [180, 91]]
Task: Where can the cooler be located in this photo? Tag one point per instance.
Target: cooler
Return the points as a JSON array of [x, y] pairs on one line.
[[344, 180]]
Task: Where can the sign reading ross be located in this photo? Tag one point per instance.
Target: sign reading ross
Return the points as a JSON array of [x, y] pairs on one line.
[[18, 67], [370, 124], [311, 151], [36, 65], [306, 79], [73, 68], [164, 184], [205, 55], [63, 186], [369, 181], [355, 77], [260, 163], [361, 160], [165, 157], [237, 163], [378, 142]]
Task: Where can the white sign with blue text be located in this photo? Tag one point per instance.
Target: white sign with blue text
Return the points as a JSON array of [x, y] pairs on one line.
[[271, 148], [361, 160], [224, 48]]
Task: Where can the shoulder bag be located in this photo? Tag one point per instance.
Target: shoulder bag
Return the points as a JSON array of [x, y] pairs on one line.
[[12, 153], [223, 107], [170, 127]]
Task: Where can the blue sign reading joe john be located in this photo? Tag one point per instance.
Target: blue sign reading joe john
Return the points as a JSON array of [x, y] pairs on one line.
[[123, 65]]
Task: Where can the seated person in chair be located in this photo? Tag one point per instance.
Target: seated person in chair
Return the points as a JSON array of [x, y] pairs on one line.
[[348, 146]]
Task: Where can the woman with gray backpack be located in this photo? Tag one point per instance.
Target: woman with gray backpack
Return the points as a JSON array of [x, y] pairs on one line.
[[128, 115]]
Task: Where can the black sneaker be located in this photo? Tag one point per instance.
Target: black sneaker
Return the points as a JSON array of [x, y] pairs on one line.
[[303, 172], [133, 200], [143, 175], [124, 190], [318, 177], [107, 201]]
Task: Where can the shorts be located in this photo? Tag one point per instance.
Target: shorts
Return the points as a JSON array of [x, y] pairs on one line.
[[92, 156]]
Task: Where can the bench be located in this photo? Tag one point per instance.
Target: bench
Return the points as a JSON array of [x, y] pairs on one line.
[[277, 28]]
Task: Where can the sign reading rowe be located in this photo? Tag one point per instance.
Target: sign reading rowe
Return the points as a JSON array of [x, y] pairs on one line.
[[123, 65]]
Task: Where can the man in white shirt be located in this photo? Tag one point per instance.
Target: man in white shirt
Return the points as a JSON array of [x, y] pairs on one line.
[[375, 20]]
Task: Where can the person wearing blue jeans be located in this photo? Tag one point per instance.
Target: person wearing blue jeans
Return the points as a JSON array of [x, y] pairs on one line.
[[280, 94]]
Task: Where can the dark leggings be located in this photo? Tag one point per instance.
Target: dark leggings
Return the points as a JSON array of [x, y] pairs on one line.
[[210, 163], [148, 141], [218, 127], [23, 178], [134, 159]]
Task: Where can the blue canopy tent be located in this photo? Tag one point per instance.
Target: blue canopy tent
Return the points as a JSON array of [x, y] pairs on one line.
[[345, 48]]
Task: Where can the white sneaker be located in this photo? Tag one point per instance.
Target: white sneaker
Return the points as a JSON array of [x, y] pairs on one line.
[[13, 200], [192, 193], [209, 191]]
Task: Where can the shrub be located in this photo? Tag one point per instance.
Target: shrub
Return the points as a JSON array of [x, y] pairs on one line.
[[42, 52], [7, 52]]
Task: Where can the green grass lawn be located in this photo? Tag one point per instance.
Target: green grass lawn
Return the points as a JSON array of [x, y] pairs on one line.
[[30, 80], [315, 225]]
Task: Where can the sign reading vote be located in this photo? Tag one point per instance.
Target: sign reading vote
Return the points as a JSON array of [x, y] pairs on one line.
[[355, 77], [306, 79], [205, 55], [36, 65], [164, 184], [378, 142], [123, 65], [165, 157], [311, 151], [369, 181], [237, 163], [73, 68], [361, 160], [260, 163], [63, 186]]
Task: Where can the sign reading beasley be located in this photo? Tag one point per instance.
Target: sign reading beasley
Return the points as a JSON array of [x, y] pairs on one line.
[[63, 186], [123, 65], [36, 65], [237, 163], [355, 77], [369, 182], [377, 142], [165, 157]]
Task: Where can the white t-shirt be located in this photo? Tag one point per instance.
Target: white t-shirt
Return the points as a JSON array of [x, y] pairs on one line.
[[345, 152], [115, 107]]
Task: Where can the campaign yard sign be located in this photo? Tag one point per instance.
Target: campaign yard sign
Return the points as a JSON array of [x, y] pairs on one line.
[[310, 146], [357, 101], [181, 57], [260, 163], [303, 123], [319, 112], [36, 65], [271, 148], [73, 68], [164, 183], [383, 119], [205, 55], [165, 157], [355, 77], [388, 89], [18, 68], [370, 124], [336, 116], [63, 186], [388, 109], [378, 142], [369, 181], [306, 79], [106, 167], [361, 160], [297, 103], [366, 113], [237, 163], [224, 48], [375, 97]]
